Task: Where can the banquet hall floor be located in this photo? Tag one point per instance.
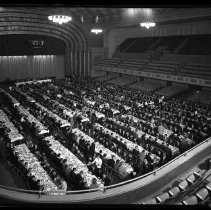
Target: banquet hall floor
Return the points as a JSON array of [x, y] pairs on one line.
[[9, 177]]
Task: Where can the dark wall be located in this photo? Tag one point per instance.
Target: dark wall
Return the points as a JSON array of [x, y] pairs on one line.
[[19, 44]]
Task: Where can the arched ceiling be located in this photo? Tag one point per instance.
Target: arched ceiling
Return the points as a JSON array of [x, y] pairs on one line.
[[120, 17]]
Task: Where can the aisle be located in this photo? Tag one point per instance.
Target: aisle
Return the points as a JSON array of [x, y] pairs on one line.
[[9, 178]]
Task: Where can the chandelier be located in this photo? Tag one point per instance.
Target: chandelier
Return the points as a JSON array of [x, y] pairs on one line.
[[59, 18], [147, 25], [96, 31]]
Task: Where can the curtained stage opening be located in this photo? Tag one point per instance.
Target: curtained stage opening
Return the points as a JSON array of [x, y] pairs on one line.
[[29, 67]]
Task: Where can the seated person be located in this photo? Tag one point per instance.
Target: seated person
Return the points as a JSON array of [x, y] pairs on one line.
[[106, 180], [63, 185], [98, 165], [94, 184]]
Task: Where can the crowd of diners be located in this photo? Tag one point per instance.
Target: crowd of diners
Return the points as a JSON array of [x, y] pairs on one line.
[[186, 122]]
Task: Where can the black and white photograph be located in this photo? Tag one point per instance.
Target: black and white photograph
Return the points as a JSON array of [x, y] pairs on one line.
[[105, 106]]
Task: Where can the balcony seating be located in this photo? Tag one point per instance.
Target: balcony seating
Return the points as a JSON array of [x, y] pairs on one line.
[[110, 62], [191, 179], [208, 186], [170, 42], [174, 192], [141, 44], [192, 200], [178, 203], [163, 197], [150, 201], [197, 45], [202, 194], [162, 67], [183, 186], [196, 70], [133, 64]]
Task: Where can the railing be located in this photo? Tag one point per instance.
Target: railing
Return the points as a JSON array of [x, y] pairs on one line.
[[40, 193]]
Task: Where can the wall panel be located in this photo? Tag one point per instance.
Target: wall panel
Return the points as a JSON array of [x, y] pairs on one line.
[[24, 67]]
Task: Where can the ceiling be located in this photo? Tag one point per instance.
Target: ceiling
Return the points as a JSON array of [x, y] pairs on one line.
[[120, 17]]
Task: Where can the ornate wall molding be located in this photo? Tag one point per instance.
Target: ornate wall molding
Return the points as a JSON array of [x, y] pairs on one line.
[[23, 22]]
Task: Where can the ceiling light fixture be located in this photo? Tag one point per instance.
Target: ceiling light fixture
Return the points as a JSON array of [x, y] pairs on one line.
[[148, 25], [59, 18], [96, 31]]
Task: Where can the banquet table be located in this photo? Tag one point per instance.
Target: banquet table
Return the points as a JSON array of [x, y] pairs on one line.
[[70, 113], [72, 160], [14, 101], [174, 150], [32, 119], [29, 98], [23, 154], [128, 168], [33, 82], [130, 145], [64, 123], [13, 133]]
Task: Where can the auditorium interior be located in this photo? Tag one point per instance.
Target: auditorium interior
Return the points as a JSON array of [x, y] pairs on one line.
[[105, 105]]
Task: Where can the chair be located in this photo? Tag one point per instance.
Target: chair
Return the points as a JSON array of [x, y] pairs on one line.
[[198, 174], [174, 192], [151, 201], [202, 194], [208, 186], [183, 186], [178, 203], [192, 200], [162, 198], [191, 179], [208, 179]]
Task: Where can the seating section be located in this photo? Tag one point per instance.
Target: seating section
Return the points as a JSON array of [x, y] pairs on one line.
[[162, 67], [124, 80], [170, 42], [171, 90], [110, 62], [197, 45], [190, 191], [124, 45], [196, 70], [192, 200], [133, 64], [139, 45], [203, 96], [107, 77], [147, 85]]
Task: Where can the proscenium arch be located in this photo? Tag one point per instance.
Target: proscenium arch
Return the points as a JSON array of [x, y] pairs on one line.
[[77, 53], [66, 43], [70, 27]]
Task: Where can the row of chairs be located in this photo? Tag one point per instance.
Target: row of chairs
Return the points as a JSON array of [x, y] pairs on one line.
[[182, 187], [200, 197]]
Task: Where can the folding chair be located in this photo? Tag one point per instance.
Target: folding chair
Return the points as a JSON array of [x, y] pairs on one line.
[[191, 179], [163, 197], [208, 186], [183, 186], [174, 192], [202, 194], [151, 201], [192, 200]]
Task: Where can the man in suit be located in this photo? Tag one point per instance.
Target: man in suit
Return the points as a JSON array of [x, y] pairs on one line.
[[111, 161]]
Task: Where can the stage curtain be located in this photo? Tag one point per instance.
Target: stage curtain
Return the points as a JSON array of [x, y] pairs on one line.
[[29, 67]]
